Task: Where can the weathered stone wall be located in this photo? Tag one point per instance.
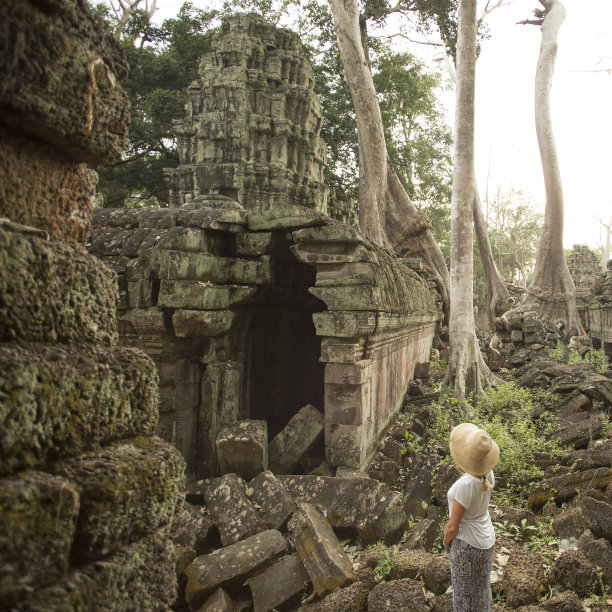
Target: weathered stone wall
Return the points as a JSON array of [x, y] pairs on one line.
[[599, 313], [87, 493], [251, 131], [254, 315]]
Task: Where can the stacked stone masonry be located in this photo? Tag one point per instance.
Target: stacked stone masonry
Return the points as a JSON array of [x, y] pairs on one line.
[[599, 313], [251, 131], [88, 494], [256, 315]]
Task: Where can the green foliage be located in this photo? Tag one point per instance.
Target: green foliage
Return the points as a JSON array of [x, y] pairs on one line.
[[596, 357], [163, 61], [385, 561], [506, 413], [514, 232]]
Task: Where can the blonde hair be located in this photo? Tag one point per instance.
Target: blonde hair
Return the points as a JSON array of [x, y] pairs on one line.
[[486, 485]]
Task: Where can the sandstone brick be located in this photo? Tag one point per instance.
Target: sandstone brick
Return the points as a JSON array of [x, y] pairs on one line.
[[242, 448], [320, 552], [60, 401], [127, 491], [229, 566], [38, 514], [53, 292], [295, 440]]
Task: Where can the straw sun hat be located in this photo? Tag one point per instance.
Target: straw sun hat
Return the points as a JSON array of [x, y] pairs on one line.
[[473, 449]]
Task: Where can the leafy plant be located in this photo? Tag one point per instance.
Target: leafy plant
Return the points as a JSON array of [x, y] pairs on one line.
[[385, 562], [596, 357]]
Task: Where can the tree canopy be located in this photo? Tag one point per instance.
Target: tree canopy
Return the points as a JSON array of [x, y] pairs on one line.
[[164, 60]]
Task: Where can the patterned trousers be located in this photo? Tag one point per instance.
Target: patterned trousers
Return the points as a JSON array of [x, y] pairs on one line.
[[470, 573]]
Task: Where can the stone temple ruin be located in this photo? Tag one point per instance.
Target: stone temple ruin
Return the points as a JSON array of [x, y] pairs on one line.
[[252, 302], [87, 493]]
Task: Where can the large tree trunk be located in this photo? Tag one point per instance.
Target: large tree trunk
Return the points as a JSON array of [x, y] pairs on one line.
[[466, 369], [496, 292], [552, 292], [386, 214]]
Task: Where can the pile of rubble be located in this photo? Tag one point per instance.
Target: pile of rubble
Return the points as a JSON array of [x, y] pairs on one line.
[[266, 540]]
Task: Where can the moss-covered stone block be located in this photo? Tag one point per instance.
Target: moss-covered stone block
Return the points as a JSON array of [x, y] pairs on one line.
[[53, 292], [61, 73], [38, 514], [196, 295], [127, 491], [139, 577], [58, 401]]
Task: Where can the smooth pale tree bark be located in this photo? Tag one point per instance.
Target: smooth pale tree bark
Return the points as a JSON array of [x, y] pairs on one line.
[[496, 293], [466, 369], [552, 292], [386, 214]]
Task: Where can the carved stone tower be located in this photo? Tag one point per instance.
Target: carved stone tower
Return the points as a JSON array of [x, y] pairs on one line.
[[251, 131]]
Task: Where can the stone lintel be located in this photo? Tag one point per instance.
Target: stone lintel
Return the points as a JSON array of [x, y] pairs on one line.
[[330, 233], [352, 273], [201, 323], [204, 267], [196, 295], [332, 254], [284, 218], [349, 297], [344, 324]]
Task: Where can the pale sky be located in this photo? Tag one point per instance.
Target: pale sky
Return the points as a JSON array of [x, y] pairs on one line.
[[581, 106]]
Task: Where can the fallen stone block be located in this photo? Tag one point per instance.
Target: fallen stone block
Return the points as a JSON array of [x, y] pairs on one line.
[[437, 574], [572, 570], [275, 503], [597, 455], [423, 535], [105, 394], [242, 448], [569, 524], [353, 598], [523, 582], [319, 550], [599, 551], [38, 515], [296, 439], [229, 566], [375, 512], [566, 486], [141, 575], [127, 491], [597, 516], [598, 387], [419, 488], [404, 595], [193, 529], [281, 584], [230, 509], [579, 434], [219, 601]]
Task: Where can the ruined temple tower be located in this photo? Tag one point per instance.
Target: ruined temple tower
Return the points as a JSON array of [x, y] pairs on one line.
[[251, 131], [249, 293]]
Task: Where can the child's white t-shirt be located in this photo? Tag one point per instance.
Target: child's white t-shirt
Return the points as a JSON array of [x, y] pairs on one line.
[[476, 527]]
